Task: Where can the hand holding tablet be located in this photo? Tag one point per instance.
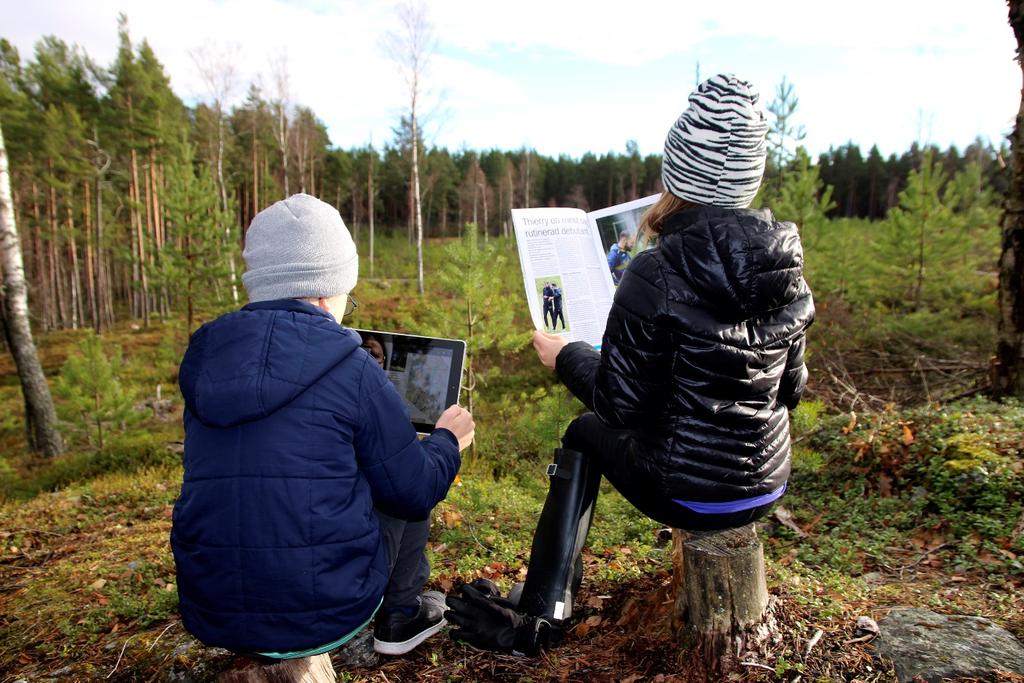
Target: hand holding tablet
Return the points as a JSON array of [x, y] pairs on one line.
[[426, 371], [459, 422]]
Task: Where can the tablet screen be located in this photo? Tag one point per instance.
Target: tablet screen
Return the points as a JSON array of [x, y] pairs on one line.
[[426, 371]]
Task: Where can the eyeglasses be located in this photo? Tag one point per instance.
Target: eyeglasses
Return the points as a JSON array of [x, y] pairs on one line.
[[350, 305]]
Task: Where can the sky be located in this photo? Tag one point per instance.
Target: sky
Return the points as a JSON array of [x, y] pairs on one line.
[[568, 77]]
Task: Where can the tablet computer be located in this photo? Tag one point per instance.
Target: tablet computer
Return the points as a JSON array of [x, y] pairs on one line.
[[427, 371]]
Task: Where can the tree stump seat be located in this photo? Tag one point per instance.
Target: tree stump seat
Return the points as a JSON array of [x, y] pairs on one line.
[[316, 669], [721, 596]]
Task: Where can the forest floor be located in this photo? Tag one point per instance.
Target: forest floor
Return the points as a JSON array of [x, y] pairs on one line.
[[886, 507], [87, 593]]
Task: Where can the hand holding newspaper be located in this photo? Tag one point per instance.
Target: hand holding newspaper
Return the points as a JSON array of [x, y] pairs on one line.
[[572, 261]]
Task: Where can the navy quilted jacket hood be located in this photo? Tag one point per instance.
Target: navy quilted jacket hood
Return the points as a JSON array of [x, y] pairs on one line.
[[247, 368], [293, 437]]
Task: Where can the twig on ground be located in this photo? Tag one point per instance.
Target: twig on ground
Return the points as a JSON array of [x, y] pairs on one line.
[[150, 648], [34, 531], [785, 517], [759, 666], [812, 642], [118, 662], [1018, 530], [965, 394], [918, 561], [862, 639]]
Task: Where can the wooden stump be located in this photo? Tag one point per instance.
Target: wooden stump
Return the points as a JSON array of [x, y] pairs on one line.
[[316, 669], [720, 592]]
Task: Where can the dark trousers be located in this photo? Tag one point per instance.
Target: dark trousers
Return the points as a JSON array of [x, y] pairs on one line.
[[548, 311], [406, 544], [612, 451], [557, 315]]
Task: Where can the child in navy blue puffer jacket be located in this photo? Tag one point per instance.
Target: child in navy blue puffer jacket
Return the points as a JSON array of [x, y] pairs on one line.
[[306, 498]]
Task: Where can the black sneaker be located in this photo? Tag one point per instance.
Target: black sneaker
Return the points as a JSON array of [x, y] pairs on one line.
[[395, 634]]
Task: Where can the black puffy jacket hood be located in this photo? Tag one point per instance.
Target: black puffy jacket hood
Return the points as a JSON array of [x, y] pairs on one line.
[[702, 355], [742, 262]]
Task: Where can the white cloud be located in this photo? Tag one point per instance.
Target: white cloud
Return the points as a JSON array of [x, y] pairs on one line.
[[863, 71]]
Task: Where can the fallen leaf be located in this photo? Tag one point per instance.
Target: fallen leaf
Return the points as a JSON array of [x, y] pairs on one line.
[[98, 584], [908, 436], [885, 485], [593, 621], [451, 519], [853, 423], [595, 602]]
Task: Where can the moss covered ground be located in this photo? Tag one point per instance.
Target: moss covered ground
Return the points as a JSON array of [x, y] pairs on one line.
[[914, 503]]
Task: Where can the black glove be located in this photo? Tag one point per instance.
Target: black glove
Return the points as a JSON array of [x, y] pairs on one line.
[[492, 623]]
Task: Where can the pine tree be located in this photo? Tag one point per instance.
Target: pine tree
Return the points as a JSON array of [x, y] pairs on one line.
[[782, 133], [199, 256], [803, 199], [481, 313], [95, 400], [917, 238]]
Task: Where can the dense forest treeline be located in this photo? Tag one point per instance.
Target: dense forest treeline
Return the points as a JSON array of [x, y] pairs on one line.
[[131, 202]]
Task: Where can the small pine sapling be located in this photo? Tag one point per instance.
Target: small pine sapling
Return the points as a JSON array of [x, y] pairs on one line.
[[95, 401]]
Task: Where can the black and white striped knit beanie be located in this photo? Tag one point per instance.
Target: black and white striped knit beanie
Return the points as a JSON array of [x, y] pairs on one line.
[[715, 152]]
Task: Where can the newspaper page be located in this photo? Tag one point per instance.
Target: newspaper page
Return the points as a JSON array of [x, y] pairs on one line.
[[568, 286], [572, 261], [617, 231]]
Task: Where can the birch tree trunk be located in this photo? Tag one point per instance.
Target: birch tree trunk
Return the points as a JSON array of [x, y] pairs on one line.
[[417, 202], [1008, 375], [40, 417], [411, 48], [370, 201]]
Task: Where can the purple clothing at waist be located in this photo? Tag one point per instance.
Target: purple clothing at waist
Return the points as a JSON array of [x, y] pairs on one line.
[[732, 505]]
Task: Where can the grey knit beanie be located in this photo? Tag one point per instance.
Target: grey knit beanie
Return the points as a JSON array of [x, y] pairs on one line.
[[299, 247], [715, 152]]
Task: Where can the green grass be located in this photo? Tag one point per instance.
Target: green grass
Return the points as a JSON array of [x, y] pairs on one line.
[[892, 502]]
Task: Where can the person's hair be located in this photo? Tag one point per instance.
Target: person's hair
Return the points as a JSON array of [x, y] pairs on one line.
[[667, 205]]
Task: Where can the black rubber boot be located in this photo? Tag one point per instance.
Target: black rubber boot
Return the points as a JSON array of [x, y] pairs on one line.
[[556, 562]]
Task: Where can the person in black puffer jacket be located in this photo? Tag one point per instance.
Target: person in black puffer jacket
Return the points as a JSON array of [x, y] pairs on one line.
[[701, 361]]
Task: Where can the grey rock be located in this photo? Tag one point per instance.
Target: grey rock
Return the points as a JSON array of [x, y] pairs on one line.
[[184, 648], [935, 647], [873, 578], [358, 653], [865, 626], [60, 673]]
